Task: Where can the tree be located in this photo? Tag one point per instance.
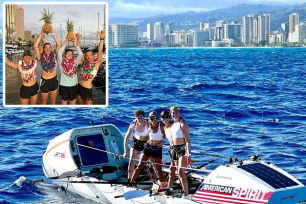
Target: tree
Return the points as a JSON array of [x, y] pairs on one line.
[[263, 43]]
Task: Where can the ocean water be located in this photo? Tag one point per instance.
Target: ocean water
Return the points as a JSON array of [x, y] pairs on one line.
[[251, 99]]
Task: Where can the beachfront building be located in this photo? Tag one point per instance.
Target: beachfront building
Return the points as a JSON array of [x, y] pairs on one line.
[[255, 31], [122, 35], [293, 21], [169, 28], [204, 26], [150, 31], [199, 37], [158, 32], [264, 27], [247, 28], [232, 31], [285, 29], [20, 23]]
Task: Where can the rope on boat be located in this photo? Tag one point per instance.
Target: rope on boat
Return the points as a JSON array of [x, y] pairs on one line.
[[101, 150]]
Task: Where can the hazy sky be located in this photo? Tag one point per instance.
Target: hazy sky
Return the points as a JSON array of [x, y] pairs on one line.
[[146, 8]]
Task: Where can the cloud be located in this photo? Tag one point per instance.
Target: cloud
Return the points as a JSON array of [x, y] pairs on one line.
[[74, 13]]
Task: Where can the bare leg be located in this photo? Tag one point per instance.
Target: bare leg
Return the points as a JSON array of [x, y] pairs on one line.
[[24, 101], [33, 99], [88, 102], [172, 174], [53, 95], [43, 98], [81, 100], [159, 169], [141, 164], [182, 162], [133, 156], [63, 102], [72, 102]]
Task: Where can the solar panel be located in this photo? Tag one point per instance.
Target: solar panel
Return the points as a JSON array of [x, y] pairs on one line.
[[272, 177]]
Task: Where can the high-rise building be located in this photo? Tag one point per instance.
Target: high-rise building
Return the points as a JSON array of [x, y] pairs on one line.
[[20, 22], [122, 34], [150, 31], [204, 26], [285, 29], [255, 31], [27, 35], [199, 37], [10, 22], [263, 27], [158, 31], [247, 28], [169, 28], [232, 31], [293, 21], [300, 31]]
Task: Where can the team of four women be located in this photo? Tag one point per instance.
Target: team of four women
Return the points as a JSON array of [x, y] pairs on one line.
[[69, 86], [148, 136]]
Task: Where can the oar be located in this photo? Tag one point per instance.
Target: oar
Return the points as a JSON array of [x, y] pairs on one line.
[[63, 175], [225, 154]]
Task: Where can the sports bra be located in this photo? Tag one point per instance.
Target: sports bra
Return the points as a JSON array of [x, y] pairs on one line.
[[157, 135], [143, 133], [88, 70], [168, 133], [176, 130]]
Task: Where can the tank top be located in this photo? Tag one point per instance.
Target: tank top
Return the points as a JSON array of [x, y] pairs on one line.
[[143, 133], [176, 130], [27, 72], [157, 135], [168, 134]]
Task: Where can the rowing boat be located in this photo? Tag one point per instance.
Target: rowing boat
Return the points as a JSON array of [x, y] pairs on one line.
[[88, 161]]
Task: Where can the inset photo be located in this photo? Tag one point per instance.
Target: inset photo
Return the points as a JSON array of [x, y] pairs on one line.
[[55, 54]]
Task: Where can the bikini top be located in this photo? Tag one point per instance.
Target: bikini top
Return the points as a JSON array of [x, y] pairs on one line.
[[143, 133], [157, 135], [168, 133], [176, 130], [28, 72], [88, 70]]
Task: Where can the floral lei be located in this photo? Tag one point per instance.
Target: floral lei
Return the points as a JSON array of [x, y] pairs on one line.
[[87, 68], [28, 72], [48, 63], [69, 66]]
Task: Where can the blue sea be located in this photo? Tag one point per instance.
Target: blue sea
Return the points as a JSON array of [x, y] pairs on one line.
[[251, 99]]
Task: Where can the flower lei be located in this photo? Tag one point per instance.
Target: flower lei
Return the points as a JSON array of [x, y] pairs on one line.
[[28, 72], [69, 66], [48, 63], [87, 68]]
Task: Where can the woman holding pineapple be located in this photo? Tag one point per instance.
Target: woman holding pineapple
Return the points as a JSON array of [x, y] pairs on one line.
[[88, 72], [68, 67], [47, 60]]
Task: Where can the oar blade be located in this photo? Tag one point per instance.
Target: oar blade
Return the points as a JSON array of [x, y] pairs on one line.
[[134, 194]]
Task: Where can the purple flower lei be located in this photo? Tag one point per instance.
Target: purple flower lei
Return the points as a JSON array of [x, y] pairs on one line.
[[48, 63]]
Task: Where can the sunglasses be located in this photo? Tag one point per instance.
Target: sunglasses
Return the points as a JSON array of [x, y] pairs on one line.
[[141, 118], [153, 118], [165, 116]]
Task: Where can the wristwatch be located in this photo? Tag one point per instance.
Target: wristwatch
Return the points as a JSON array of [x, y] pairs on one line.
[[101, 38], [52, 33]]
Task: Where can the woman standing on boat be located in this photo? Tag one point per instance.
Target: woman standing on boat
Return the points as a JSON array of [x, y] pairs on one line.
[[153, 148], [140, 127], [88, 72], [47, 60], [165, 118], [68, 67], [181, 146], [27, 68]]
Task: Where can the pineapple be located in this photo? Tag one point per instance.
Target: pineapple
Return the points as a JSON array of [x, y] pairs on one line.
[[47, 17], [69, 27]]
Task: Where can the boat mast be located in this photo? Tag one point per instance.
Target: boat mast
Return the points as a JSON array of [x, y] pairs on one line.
[[98, 29]]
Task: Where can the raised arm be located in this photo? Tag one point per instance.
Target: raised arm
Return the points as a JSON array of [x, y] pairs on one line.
[[185, 130], [59, 56], [58, 44], [44, 41], [78, 49], [127, 137], [99, 57], [37, 53], [11, 64], [78, 36]]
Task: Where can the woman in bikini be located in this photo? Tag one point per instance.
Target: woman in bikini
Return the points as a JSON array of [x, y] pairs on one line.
[[27, 68], [181, 146], [47, 61], [153, 149], [141, 136], [88, 72]]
